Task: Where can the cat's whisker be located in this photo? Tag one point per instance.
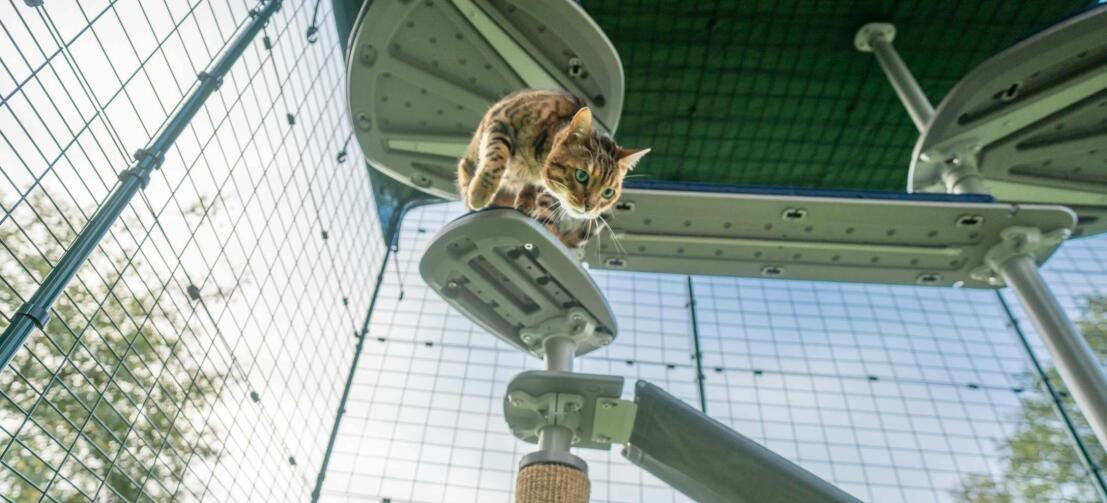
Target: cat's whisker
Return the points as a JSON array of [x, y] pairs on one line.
[[615, 239]]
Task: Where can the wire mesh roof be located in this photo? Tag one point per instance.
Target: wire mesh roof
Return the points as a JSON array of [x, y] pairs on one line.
[[774, 93]]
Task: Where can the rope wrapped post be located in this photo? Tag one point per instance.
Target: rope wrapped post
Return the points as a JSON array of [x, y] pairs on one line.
[[35, 312], [551, 483]]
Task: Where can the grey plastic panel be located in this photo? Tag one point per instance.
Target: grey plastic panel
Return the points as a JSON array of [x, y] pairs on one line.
[[540, 382], [507, 273], [422, 74], [711, 463], [1034, 117], [812, 238]]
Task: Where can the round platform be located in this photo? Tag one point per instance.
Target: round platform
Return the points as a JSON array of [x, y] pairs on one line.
[[423, 73], [1033, 119]]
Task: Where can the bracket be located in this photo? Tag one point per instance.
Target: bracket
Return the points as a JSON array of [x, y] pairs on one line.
[[562, 409], [1017, 241], [539, 398], [578, 325]]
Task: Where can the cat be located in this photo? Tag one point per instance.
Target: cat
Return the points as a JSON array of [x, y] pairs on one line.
[[537, 152]]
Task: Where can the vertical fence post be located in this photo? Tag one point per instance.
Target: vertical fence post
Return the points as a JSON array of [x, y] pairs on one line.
[[315, 493], [35, 312], [696, 346]]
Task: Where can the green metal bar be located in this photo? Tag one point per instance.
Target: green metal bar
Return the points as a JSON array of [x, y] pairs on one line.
[[315, 493], [696, 344], [1085, 456], [36, 311]]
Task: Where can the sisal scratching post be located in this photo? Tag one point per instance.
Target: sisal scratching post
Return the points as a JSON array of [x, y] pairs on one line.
[[551, 483]]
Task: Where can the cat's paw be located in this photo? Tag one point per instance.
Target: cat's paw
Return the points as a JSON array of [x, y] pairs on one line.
[[478, 198]]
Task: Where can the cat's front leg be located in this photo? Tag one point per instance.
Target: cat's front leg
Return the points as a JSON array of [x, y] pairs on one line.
[[495, 151]]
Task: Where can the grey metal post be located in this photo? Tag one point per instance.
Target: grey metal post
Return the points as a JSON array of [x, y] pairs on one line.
[[877, 38], [1077, 364], [36, 311], [559, 353]]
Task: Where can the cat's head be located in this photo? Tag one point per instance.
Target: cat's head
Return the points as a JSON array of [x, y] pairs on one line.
[[585, 168]]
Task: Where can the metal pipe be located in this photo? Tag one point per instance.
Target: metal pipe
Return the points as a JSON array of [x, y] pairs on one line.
[[1086, 457], [555, 439], [559, 353], [1075, 361], [36, 311], [908, 90]]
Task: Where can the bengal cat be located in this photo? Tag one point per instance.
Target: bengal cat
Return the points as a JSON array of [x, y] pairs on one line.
[[537, 151]]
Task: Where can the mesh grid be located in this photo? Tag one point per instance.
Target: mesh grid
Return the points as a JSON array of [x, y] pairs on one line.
[[200, 352], [773, 93]]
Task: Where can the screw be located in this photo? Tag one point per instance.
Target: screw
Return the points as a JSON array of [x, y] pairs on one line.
[[608, 405], [603, 439], [368, 56], [528, 247], [363, 122], [451, 284], [527, 338]]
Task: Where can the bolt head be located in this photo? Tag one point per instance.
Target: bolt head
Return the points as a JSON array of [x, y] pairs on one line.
[[528, 246], [451, 284], [603, 439], [609, 405]]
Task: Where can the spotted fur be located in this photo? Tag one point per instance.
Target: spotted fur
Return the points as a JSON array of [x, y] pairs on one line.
[[537, 151]]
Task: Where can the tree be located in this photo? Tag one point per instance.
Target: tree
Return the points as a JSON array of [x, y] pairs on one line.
[[107, 400], [1040, 460]]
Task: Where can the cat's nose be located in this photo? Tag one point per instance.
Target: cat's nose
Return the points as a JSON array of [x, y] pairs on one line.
[[587, 206]]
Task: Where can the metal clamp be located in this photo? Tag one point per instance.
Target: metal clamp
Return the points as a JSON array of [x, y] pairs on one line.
[[1016, 241], [581, 328], [37, 313], [205, 76], [561, 409]]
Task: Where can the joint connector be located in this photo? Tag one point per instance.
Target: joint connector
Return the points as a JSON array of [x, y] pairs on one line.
[[138, 172], [205, 76], [38, 314], [862, 41], [1017, 241]]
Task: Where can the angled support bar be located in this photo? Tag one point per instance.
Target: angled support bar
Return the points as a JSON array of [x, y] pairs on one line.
[[35, 312], [877, 38], [1081, 370]]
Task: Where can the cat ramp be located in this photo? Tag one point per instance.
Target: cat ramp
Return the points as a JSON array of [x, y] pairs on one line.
[[422, 73]]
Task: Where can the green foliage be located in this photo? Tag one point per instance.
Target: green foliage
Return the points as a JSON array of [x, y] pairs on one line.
[[1040, 459], [113, 391]]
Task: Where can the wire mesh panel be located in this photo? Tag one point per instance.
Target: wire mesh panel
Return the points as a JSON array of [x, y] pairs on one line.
[[201, 351]]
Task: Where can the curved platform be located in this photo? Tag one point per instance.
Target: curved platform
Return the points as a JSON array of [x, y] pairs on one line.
[[422, 74], [1033, 120]]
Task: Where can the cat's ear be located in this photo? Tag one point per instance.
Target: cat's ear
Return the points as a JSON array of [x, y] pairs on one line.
[[629, 157], [582, 123]]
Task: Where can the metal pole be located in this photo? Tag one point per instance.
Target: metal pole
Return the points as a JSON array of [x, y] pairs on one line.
[[315, 493], [1089, 461], [1077, 364], [36, 311], [559, 353], [696, 345], [877, 38]]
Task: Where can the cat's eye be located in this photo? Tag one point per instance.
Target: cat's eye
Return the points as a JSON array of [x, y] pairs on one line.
[[608, 192], [582, 176]]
